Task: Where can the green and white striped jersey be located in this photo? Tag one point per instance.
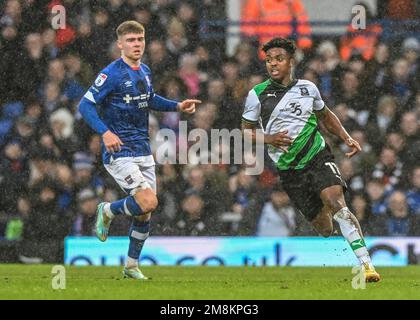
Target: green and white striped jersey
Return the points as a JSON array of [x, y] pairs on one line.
[[276, 108]]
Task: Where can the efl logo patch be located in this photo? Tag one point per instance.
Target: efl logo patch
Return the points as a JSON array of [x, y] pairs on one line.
[[129, 179], [100, 80], [304, 91]]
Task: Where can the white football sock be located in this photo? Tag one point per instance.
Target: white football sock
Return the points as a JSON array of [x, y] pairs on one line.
[[131, 263], [352, 235], [107, 210]]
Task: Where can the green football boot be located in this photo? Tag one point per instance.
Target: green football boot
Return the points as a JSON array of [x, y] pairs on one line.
[[102, 227]]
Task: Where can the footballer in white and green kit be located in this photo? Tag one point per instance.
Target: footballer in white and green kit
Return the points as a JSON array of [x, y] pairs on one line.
[[288, 110]]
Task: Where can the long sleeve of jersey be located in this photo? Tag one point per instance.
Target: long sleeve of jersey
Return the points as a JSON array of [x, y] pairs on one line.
[[162, 104], [96, 94], [88, 111]]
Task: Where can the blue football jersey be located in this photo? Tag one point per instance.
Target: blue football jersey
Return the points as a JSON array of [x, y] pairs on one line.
[[124, 95]]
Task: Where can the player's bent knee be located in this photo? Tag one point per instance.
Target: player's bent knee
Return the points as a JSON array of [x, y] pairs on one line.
[[334, 203], [147, 200]]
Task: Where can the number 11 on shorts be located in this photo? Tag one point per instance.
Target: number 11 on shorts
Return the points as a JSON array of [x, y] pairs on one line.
[[334, 169]]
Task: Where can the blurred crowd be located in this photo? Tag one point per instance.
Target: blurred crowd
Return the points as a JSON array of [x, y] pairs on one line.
[[51, 175]]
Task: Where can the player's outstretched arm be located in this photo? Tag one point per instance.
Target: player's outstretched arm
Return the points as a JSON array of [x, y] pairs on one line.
[[159, 103], [334, 126]]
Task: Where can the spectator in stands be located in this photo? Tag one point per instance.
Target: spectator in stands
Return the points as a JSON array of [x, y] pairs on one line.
[[389, 169], [43, 164], [377, 196], [24, 132], [77, 70], [35, 113], [354, 180], [188, 72], [396, 141], [168, 208], [14, 173], [247, 60], [187, 15], [33, 62], [410, 129], [346, 115], [84, 177], [84, 221], [377, 68], [383, 120], [159, 61], [143, 14], [366, 159], [61, 125], [410, 48], [47, 225], [413, 195], [398, 9], [197, 184], [350, 94], [361, 209], [265, 19], [65, 183], [177, 42], [277, 217], [398, 222], [245, 198], [399, 82], [192, 220], [204, 117], [361, 41]]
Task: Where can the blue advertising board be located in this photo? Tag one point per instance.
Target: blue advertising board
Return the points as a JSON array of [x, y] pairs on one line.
[[240, 251]]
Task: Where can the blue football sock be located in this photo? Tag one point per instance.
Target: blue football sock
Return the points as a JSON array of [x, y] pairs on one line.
[[139, 232], [127, 205]]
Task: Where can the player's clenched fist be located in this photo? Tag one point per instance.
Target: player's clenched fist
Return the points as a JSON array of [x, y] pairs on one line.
[[112, 142], [188, 106]]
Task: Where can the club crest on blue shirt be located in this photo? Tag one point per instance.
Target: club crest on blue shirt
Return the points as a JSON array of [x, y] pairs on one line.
[[100, 80], [304, 91]]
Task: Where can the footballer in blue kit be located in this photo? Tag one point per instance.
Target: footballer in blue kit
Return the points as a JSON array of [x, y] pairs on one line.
[[124, 93]]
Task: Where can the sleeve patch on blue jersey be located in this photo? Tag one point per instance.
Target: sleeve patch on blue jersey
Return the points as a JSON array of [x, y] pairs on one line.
[[88, 95], [100, 80]]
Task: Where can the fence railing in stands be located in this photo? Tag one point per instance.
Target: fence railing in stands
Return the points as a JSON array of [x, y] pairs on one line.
[[391, 29]]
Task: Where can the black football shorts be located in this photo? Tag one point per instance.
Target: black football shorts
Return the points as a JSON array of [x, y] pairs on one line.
[[304, 186]]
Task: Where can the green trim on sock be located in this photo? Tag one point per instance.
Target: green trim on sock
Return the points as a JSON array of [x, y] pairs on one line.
[[357, 244]]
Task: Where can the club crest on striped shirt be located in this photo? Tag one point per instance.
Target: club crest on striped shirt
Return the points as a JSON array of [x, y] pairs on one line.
[[304, 91]]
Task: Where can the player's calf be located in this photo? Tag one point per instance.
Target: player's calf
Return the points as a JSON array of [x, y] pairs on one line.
[[142, 202], [138, 234], [323, 225]]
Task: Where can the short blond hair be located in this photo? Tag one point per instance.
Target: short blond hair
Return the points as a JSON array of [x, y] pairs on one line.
[[129, 26]]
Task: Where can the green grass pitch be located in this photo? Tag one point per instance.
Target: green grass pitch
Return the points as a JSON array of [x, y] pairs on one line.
[[206, 283]]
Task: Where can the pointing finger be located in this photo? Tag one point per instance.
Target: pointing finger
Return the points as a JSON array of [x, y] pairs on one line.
[[193, 101]]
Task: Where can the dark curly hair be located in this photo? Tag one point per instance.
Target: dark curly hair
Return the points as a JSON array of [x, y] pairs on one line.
[[286, 44]]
